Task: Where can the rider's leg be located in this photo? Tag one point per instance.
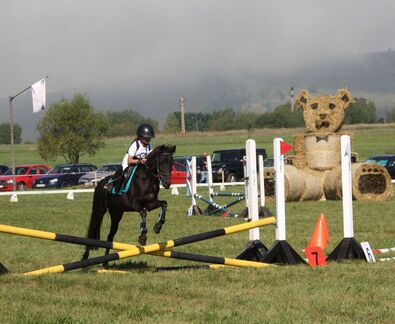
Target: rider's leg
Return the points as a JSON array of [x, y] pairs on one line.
[[124, 180]]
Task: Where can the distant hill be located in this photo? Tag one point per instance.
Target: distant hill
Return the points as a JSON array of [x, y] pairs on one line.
[[371, 76]]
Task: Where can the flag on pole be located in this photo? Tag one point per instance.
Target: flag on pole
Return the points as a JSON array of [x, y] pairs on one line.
[[38, 96], [285, 147]]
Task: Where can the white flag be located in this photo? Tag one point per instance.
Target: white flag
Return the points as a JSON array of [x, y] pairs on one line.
[[39, 96]]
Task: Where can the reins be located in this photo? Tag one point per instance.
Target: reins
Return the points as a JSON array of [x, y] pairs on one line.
[[152, 166]]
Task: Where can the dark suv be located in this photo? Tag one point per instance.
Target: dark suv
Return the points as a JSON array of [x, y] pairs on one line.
[[63, 175], [387, 161], [231, 162]]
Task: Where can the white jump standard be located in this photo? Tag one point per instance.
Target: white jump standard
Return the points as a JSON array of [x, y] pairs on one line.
[[349, 247], [281, 252]]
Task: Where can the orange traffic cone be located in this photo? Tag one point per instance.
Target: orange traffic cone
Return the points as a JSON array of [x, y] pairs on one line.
[[320, 236]]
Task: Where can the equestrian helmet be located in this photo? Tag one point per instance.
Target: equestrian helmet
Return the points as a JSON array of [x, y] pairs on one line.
[[145, 130]]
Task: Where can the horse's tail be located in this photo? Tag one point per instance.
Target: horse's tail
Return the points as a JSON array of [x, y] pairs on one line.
[[99, 208]]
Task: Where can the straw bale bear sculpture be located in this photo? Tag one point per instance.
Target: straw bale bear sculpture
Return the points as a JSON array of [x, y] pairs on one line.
[[314, 172]]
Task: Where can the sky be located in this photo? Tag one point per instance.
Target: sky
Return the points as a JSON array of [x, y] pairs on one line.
[[145, 46]]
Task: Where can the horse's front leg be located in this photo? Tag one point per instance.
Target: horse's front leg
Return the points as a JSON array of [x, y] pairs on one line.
[[143, 226], [162, 215]]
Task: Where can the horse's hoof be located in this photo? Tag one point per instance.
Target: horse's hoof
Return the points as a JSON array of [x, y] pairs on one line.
[[105, 266], [142, 239], [157, 228]]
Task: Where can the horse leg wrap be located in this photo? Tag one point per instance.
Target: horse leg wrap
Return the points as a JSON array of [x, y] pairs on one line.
[[143, 228], [161, 221]]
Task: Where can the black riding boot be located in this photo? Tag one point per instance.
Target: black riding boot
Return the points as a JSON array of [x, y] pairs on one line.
[[116, 181], [124, 180]]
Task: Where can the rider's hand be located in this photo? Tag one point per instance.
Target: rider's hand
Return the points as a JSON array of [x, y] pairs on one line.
[[143, 161]]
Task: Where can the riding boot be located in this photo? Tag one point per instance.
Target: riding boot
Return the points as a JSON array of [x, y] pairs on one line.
[[124, 180], [115, 181]]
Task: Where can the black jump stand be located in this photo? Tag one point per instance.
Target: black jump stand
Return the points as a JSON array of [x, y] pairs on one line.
[[281, 252], [254, 251], [3, 269], [263, 212], [348, 248]]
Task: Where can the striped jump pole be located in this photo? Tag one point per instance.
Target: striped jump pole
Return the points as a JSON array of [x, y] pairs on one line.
[[122, 247], [210, 259], [226, 206], [228, 194], [383, 250], [215, 205], [138, 250]]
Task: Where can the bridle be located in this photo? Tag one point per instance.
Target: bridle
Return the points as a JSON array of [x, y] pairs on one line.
[[154, 164]]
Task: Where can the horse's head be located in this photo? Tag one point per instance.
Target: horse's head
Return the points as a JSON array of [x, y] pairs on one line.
[[163, 155]]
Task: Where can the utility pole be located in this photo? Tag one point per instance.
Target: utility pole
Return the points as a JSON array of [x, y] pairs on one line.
[[11, 121], [182, 109], [197, 124], [292, 94]]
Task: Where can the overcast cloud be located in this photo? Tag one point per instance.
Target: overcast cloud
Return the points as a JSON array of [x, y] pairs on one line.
[[146, 44], [147, 53]]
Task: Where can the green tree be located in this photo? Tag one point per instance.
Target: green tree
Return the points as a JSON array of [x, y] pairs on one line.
[[125, 123], [172, 124], [390, 116], [71, 129], [361, 112], [5, 137], [223, 120]]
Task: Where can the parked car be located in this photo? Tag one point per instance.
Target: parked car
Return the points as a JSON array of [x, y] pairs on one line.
[[179, 170], [93, 177], [63, 175], [387, 161], [268, 163], [24, 176], [230, 162], [178, 173], [3, 169]]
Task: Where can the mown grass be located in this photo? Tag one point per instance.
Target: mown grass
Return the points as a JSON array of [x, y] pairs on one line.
[[346, 292], [368, 140], [352, 291]]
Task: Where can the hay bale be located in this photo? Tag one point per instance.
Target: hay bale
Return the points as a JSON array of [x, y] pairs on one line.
[[294, 185], [299, 159], [268, 175], [333, 184], [322, 151], [370, 182], [314, 185]]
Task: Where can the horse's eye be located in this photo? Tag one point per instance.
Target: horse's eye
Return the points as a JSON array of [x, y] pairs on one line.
[[314, 106], [332, 106]]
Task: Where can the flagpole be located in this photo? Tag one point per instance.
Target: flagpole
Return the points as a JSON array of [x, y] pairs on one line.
[[11, 119]]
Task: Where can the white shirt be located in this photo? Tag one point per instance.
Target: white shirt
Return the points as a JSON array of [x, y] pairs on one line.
[[140, 152]]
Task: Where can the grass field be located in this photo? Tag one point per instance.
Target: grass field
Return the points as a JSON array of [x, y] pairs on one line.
[[368, 140], [347, 292]]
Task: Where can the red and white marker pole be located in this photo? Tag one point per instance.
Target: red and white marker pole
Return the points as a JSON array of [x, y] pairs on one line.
[[281, 251]]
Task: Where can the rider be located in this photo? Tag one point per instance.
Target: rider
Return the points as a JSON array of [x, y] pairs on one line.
[[137, 153]]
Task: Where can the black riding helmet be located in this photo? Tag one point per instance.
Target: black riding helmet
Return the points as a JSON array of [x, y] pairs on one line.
[[145, 130]]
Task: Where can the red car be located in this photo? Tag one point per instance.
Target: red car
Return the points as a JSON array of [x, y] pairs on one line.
[[178, 173], [24, 176]]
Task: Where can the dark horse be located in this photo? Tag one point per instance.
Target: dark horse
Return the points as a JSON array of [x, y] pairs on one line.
[[141, 196]]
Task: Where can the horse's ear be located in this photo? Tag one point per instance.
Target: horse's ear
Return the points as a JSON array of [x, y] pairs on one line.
[[172, 148]]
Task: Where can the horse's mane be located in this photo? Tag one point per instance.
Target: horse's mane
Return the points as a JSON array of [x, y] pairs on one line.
[[153, 155]]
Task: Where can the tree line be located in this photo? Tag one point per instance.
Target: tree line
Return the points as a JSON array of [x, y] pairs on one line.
[[361, 111], [72, 128]]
